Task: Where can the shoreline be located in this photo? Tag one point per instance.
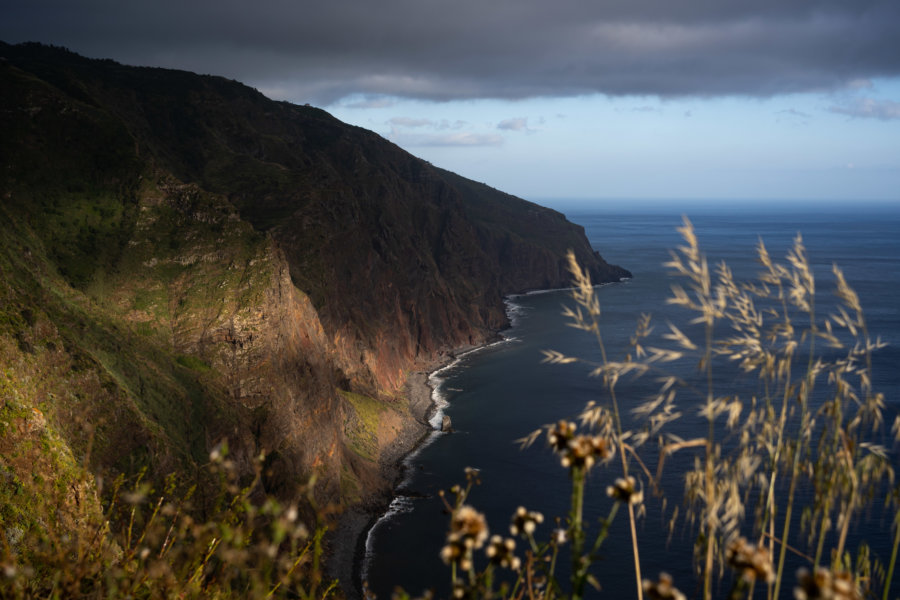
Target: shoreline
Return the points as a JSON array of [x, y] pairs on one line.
[[350, 536]]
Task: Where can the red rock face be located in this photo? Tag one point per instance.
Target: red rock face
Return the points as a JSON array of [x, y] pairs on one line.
[[404, 268]]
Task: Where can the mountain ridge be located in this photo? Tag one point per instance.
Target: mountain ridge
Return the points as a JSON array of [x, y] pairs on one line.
[[186, 262]]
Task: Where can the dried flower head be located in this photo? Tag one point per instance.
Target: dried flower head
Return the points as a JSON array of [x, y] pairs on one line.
[[455, 552], [468, 526], [525, 521], [826, 585], [501, 552], [584, 451], [560, 434], [624, 491], [754, 563], [461, 591], [662, 589], [473, 475], [559, 537]]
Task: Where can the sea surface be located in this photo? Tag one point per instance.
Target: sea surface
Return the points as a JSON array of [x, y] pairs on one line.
[[500, 393]]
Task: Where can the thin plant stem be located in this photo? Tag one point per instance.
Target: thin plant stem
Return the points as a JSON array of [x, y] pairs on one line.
[[889, 576], [795, 469], [854, 488], [604, 529], [709, 467], [795, 464], [595, 329], [576, 526], [294, 566], [738, 589], [826, 510]]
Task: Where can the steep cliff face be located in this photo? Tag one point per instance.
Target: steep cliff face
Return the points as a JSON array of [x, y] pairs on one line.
[[222, 266], [202, 282]]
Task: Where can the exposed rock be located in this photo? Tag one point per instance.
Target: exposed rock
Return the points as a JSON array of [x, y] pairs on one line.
[[446, 425]]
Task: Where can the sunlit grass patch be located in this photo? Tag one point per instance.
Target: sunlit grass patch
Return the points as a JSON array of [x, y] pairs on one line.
[[362, 428]]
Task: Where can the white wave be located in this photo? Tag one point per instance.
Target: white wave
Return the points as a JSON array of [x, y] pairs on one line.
[[439, 400], [569, 289], [436, 380], [514, 312], [409, 461], [399, 505]]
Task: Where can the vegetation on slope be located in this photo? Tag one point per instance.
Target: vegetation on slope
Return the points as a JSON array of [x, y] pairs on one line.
[[812, 429], [183, 261]]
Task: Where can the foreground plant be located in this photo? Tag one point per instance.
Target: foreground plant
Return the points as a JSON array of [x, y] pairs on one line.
[[469, 533], [809, 419], [804, 415], [151, 544], [788, 405]]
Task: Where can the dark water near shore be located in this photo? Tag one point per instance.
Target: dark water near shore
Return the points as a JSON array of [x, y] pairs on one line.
[[502, 392]]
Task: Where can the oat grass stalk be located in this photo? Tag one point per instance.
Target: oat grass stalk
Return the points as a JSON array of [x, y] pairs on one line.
[[709, 304], [801, 293], [587, 317]]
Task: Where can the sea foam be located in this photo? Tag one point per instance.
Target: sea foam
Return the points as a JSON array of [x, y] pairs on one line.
[[404, 502]]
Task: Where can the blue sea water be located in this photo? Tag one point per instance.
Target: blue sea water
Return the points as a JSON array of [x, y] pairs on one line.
[[501, 393]]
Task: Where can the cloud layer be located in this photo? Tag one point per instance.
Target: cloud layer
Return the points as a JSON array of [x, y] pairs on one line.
[[509, 49]]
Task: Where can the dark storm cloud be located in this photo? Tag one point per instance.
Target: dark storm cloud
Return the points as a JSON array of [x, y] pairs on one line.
[[441, 50]]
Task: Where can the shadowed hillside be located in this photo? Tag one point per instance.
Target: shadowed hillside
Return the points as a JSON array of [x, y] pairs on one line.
[[184, 261]]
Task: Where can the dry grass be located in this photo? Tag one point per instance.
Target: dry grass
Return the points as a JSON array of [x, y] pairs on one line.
[[159, 544], [805, 419]]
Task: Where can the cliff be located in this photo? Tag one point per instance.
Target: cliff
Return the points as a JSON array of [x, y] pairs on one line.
[[184, 261]]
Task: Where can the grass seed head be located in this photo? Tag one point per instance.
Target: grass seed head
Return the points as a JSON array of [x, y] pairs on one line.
[[824, 584], [662, 589], [502, 552], [558, 436], [469, 527], [624, 491], [525, 521], [754, 563]]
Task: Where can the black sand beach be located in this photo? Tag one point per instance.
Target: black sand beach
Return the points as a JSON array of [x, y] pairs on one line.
[[348, 541]]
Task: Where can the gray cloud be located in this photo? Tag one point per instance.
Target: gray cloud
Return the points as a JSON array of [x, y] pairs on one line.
[[792, 116], [869, 108], [379, 102], [516, 124], [322, 52], [642, 109], [410, 122], [793, 112], [464, 139], [401, 133]]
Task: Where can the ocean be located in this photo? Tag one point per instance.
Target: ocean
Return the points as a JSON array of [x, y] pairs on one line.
[[500, 393]]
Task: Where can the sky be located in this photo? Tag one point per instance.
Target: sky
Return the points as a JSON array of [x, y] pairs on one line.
[[615, 100]]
